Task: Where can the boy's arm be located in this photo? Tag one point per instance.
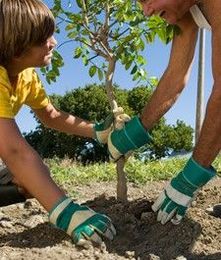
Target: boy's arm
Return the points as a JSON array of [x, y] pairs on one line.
[[64, 122], [176, 7], [80, 222], [70, 124], [26, 165]]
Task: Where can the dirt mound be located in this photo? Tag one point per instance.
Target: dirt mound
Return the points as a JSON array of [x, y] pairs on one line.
[[26, 234]]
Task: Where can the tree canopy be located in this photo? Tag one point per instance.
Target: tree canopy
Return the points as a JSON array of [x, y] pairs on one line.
[[104, 32]]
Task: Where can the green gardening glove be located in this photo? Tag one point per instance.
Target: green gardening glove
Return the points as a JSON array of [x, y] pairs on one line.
[[81, 223], [132, 136], [178, 195], [103, 129]]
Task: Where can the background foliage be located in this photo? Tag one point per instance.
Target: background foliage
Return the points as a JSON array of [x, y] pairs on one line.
[[91, 103]]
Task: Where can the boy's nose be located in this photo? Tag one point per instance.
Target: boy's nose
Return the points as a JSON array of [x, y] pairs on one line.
[[53, 41]]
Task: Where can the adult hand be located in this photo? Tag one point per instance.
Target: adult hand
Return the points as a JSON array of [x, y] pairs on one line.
[[178, 195], [132, 136], [81, 223]]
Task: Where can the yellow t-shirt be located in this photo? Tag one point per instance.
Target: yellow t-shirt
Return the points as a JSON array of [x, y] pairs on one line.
[[28, 91]]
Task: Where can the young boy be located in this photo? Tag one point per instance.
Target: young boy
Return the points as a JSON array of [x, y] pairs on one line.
[[26, 41]]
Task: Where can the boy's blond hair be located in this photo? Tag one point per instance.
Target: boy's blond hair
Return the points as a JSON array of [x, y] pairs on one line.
[[23, 23]]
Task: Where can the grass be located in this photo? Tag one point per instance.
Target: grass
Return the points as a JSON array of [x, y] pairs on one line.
[[68, 173], [66, 170]]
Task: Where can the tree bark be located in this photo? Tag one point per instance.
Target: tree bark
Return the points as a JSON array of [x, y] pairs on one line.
[[121, 174]]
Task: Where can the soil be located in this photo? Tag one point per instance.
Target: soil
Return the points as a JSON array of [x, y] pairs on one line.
[[26, 234]]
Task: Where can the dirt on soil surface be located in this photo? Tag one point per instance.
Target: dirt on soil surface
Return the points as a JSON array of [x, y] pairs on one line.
[[26, 234]]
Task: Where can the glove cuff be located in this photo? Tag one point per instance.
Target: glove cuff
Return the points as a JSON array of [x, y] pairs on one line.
[[132, 136], [105, 124], [196, 174], [103, 128], [58, 207]]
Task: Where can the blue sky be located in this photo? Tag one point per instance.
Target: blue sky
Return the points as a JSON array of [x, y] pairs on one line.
[[74, 74]]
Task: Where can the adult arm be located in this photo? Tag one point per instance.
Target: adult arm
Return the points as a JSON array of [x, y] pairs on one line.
[[178, 195], [175, 76], [135, 132], [209, 143]]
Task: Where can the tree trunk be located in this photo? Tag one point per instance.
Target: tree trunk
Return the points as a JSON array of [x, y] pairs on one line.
[[121, 174]]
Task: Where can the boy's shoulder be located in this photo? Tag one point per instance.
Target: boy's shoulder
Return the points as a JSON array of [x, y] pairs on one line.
[[28, 75], [4, 79], [25, 77]]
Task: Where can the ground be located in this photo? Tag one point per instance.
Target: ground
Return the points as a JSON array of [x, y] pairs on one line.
[[26, 234]]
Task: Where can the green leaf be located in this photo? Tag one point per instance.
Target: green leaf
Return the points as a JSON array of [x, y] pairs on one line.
[[72, 35], [70, 26], [100, 74], [150, 37], [136, 76], [92, 70], [85, 60], [141, 60], [77, 52], [153, 81], [79, 3], [128, 64], [134, 70]]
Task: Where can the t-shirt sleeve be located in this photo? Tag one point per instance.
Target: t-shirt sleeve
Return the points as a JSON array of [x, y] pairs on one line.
[[37, 97], [6, 110]]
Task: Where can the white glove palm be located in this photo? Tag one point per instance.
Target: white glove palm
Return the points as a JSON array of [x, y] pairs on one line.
[[178, 195], [81, 223]]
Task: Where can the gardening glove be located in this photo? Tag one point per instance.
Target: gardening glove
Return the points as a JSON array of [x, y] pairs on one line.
[[103, 128], [81, 223], [132, 136], [178, 195], [115, 119]]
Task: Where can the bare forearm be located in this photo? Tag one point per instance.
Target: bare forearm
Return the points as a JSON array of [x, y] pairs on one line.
[[34, 176], [162, 100], [72, 125], [209, 143], [176, 75], [64, 122]]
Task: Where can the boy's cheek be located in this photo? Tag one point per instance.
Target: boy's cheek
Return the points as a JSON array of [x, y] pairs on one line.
[[148, 12], [147, 9]]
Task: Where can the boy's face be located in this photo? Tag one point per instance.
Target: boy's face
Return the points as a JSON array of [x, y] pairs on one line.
[[39, 56], [170, 10]]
